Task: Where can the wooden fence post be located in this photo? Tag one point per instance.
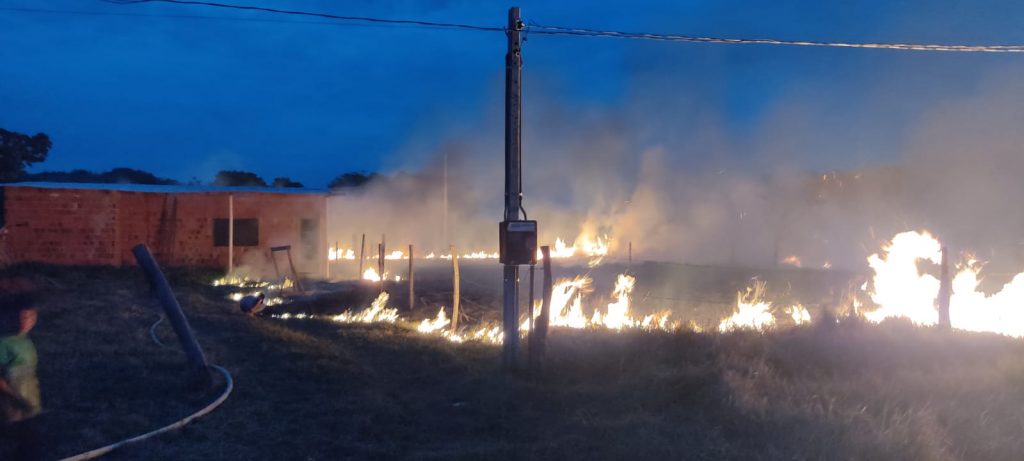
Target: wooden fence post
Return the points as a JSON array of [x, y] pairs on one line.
[[362, 257], [539, 333], [380, 265], [945, 291], [529, 307], [412, 282], [291, 265], [455, 287]]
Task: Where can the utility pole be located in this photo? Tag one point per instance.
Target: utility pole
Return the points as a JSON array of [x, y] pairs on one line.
[[513, 181]]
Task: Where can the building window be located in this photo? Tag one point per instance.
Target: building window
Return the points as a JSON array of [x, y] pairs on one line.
[[309, 233], [247, 232]]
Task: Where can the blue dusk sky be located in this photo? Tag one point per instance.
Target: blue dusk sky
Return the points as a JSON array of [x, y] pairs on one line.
[[182, 92]]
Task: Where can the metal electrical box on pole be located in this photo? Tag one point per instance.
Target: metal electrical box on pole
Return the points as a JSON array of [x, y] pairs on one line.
[[512, 228]]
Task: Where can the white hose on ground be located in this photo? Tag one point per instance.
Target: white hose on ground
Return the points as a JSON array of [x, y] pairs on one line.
[[152, 331], [230, 385]]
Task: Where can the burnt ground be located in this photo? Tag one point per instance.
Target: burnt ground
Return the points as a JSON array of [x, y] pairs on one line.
[[312, 390]]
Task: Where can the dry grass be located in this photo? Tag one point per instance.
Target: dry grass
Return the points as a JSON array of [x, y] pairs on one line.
[[314, 390]]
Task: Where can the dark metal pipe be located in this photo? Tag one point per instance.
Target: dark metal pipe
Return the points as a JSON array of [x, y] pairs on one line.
[[196, 359]]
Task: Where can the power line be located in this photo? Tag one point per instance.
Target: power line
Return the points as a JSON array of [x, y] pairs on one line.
[[189, 16], [574, 31], [557, 30]]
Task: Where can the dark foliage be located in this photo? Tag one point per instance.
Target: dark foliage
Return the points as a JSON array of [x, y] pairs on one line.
[[114, 176], [18, 151], [352, 179], [232, 178], [285, 182]]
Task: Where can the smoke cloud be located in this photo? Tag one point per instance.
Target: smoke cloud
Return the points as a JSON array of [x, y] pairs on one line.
[[679, 189]]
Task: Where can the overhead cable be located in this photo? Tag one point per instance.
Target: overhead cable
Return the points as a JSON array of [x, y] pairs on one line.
[[413, 22], [558, 30], [576, 31]]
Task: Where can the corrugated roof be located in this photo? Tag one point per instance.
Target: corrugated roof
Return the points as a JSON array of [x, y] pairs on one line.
[[172, 189]]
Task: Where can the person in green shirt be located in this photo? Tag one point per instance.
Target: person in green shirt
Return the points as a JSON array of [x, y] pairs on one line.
[[20, 404]]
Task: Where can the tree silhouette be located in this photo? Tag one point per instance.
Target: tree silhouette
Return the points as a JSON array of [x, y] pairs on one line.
[[285, 182], [233, 178], [352, 179], [114, 176], [18, 151]]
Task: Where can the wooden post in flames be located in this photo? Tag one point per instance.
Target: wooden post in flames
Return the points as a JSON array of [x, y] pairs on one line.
[[529, 306], [945, 291], [455, 288]]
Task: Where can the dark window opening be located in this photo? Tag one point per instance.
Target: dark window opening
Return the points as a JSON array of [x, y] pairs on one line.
[[247, 232], [309, 233]]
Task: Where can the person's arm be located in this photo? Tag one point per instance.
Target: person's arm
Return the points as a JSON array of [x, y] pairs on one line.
[[5, 362]]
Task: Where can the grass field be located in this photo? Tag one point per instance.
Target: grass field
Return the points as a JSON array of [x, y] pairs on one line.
[[312, 390]]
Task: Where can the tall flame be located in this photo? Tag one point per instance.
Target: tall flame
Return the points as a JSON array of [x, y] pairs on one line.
[[617, 316], [567, 303], [752, 310], [900, 290], [372, 275]]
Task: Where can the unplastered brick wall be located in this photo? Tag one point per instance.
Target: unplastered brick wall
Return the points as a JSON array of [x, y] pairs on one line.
[[62, 226], [70, 226]]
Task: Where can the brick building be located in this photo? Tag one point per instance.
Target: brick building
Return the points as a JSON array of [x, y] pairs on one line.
[[98, 224]]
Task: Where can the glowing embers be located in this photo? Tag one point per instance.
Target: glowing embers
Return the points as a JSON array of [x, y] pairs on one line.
[[434, 325], [334, 254], [439, 326], [253, 286], [372, 275], [595, 248], [471, 255], [480, 255], [378, 312]]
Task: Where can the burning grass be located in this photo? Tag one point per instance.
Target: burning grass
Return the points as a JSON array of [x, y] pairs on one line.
[[322, 390]]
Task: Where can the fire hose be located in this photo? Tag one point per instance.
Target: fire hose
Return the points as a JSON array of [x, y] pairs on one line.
[[229, 386]]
